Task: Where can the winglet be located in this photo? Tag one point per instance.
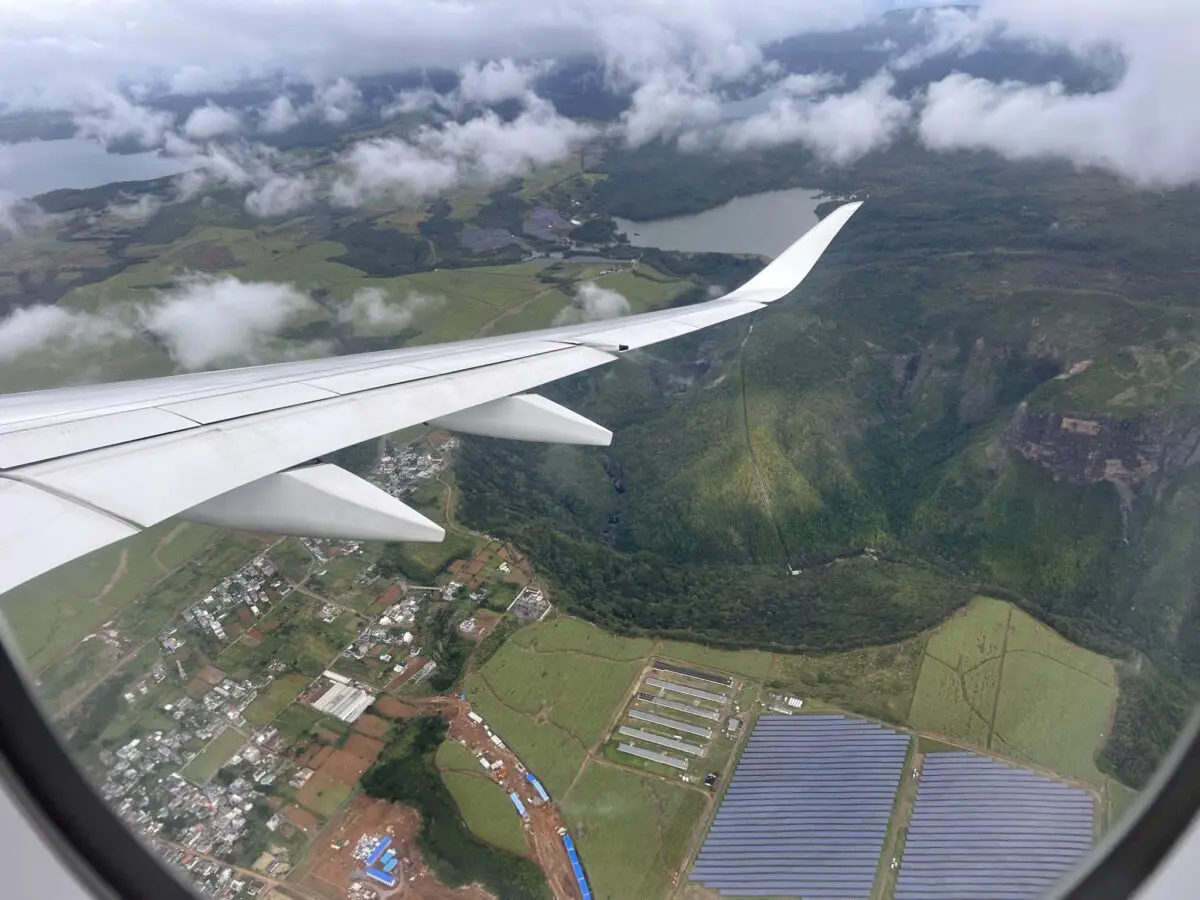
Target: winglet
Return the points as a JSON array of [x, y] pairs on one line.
[[792, 266]]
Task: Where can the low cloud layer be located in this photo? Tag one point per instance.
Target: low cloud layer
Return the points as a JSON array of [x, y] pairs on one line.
[[482, 150], [837, 128], [206, 321], [36, 327], [370, 309], [591, 304], [211, 121]]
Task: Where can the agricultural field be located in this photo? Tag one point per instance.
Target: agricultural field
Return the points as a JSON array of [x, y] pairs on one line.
[[215, 755], [487, 811], [575, 690], [271, 702], [323, 794], [997, 678], [877, 681], [747, 663], [632, 831], [52, 613]]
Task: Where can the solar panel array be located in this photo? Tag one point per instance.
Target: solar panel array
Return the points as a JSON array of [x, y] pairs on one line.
[[986, 830], [807, 811]]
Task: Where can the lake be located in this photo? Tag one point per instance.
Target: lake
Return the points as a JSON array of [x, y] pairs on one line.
[[757, 223], [34, 167]]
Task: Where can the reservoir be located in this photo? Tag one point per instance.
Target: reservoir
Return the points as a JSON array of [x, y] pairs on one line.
[[35, 167], [757, 223]]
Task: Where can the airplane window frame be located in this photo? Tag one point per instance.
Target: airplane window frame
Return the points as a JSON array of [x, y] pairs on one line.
[[112, 862]]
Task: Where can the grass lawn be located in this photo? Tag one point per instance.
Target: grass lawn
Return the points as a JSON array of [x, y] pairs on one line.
[[454, 757], [877, 681], [632, 831], [215, 755], [271, 702], [487, 810], [748, 663]]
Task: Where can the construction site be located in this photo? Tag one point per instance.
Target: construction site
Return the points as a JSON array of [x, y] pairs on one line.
[[369, 850]]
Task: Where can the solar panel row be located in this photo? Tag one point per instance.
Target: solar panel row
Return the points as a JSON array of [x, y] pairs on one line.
[[981, 828], [807, 810]]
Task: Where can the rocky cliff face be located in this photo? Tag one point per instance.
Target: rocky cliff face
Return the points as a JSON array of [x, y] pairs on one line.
[[1125, 452]]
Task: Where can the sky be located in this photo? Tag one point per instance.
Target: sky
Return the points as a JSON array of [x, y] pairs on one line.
[[674, 58]]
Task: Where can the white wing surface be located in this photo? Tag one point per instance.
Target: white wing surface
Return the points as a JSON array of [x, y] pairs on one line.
[[84, 467]]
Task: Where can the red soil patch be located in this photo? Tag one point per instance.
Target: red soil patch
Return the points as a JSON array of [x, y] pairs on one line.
[[344, 767], [208, 256], [327, 872], [393, 708], [320, 757], [365, 748], [390, 596], [211, 674], [372, 726], [302, 819]]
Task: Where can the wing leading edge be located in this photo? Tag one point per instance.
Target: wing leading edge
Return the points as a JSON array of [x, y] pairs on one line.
[[81, 468]]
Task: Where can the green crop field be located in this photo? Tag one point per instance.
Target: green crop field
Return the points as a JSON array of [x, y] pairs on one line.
[[50, 614], [488, 812], [997, 678], [271, 702], [204, 766], [571, 689], [749, 663], [566, 635], [632, 831], [454, 757]]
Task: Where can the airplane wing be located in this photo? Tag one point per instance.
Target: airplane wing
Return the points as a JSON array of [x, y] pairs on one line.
[[84, 467]]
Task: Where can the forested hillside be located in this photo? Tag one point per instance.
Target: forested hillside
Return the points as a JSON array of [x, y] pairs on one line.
[[990, 381]]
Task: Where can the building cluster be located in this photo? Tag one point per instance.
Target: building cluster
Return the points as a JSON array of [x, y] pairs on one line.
[[141, 779], [391, 631], [210, 877], [255, 585], [403, 472]]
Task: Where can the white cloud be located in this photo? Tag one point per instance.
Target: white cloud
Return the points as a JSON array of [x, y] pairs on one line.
[[279, 116], [206, 321], [275, 190], [335, 102], [137, 210], [809, 84], [953, 30], [592, 303], [209, 320], [370, 310], [482, 150], [381, 167], [1145, 128], [279, 195], [198, 46], [19, 216], [210, 121], [668, 105], [498, 80], [413, 101], [39, 326], [838, 128], [108, 116]]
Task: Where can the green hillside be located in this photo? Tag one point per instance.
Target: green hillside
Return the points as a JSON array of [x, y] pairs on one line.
[[990, 382]]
